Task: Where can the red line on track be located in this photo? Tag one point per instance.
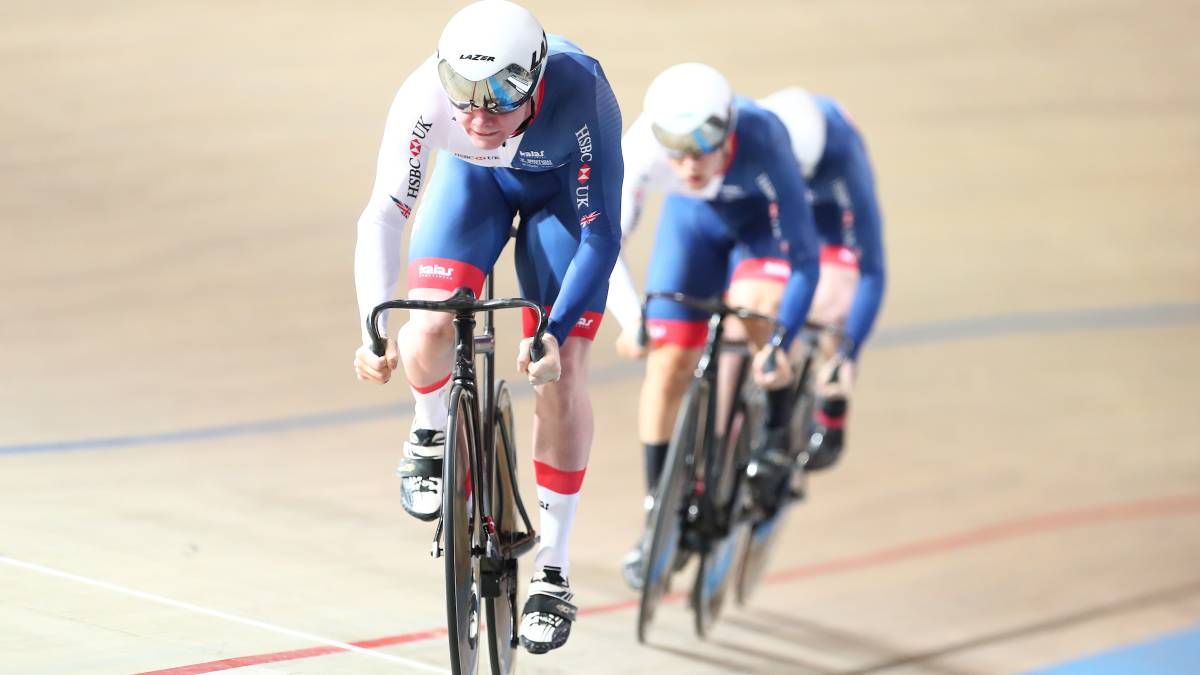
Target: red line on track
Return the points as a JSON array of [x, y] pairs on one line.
[[1050, 522]]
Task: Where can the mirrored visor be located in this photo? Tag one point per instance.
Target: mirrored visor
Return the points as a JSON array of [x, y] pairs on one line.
[[700, 141], [501, 93]]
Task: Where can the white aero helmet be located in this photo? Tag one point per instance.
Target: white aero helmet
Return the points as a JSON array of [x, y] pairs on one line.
[[491, 55], [690, 108]]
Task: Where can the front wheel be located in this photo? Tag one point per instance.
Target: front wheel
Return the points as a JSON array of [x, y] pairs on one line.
[[665, 523], [458, 532], [501, 608], [720, 559]]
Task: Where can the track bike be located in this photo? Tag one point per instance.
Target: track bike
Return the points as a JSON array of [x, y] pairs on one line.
[[483, 527], [700, 500], [770, 517]]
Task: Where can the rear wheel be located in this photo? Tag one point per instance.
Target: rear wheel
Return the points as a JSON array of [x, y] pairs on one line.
[[762, 535], [458, 532], [664, 527], [501, 609]]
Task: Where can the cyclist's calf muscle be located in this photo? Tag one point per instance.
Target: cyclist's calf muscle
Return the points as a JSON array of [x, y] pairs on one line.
[[562, 422], [668, 372]]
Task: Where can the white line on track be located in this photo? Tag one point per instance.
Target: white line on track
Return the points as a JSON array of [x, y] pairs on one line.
[[162, 600]]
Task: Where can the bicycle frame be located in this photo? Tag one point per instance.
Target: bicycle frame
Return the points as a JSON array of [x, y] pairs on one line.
[[467, 346]]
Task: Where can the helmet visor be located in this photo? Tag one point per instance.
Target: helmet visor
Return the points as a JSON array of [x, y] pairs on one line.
[[699, 141], [501, 93]]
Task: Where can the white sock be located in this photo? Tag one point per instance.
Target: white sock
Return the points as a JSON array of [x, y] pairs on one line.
[[430, 408], [558, 498]]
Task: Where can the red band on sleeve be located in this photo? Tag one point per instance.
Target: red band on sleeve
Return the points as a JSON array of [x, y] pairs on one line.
[[586, 328]]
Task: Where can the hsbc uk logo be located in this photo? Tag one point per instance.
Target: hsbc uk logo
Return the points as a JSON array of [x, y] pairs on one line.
[[404, 208], [435, 270], [584, 138], [415, 174]]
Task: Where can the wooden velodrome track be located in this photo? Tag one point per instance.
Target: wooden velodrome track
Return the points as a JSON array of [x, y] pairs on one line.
[[184, 449]]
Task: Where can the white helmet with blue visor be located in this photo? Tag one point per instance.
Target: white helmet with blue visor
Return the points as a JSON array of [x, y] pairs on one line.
[[491, 56], [690, 109]]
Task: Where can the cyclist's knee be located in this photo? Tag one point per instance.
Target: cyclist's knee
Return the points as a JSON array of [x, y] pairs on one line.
[[423, 328], [670, 366], [762, 296], [835, 291]]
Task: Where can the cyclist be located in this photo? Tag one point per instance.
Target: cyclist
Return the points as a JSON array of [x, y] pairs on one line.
[[528, 126], [834, 157], [737, 218]]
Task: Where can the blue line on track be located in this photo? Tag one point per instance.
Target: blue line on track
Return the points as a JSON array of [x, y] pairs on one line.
[[1173, 654], [1026, 323]]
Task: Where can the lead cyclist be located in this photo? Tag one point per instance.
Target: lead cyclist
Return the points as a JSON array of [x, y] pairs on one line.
[[528, 127]]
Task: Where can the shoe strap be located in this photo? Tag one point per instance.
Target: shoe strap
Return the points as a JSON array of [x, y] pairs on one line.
[[547, 603], [420, 467]]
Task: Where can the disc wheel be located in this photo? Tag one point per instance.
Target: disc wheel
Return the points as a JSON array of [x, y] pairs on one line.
[[458, 530], [665, 523], [501, 610]]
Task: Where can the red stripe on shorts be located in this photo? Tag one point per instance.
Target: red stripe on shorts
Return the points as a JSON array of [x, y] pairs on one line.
[[586, 327], [557, 480], [841, 256], [445, 274], [763, 269], [679, 332]]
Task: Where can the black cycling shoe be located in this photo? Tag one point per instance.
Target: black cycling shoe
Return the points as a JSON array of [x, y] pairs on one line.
[[548, 614], [829, 435], [770, 471]]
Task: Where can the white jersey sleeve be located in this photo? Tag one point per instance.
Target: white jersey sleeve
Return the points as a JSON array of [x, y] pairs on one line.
[[415, 125], [646, 169]]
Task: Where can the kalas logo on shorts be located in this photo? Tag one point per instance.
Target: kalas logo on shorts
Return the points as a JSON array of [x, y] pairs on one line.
[[435, 271], [777, 269], [419, 132], [584, 138], [585, 322]]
